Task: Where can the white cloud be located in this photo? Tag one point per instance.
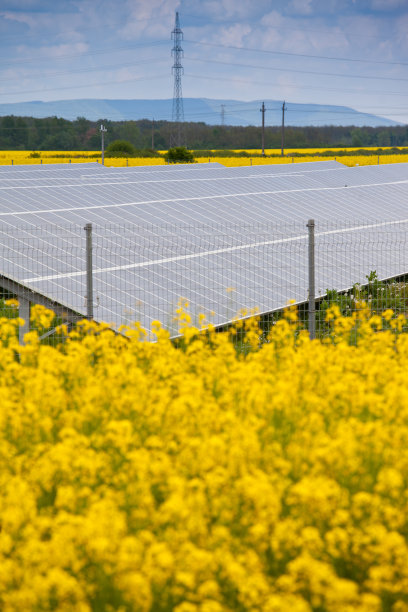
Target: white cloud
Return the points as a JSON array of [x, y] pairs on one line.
[[234, 35], [300, 7], [297, 35], [26, 18], [388, 5], [153, 19]]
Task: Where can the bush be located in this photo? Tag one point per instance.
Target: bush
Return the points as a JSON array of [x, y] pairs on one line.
[[177, 155], [120, 148]]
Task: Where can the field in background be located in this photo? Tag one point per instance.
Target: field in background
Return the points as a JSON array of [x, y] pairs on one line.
[[58, 157]]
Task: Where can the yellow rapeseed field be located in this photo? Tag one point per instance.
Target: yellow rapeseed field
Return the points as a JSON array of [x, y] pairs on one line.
[[137, 476], [55, 157]]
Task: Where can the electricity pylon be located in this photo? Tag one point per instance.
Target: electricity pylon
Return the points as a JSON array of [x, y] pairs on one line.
[[177, 69]]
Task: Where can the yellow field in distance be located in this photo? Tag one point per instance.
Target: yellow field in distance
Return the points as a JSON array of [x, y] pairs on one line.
[[58, 157]]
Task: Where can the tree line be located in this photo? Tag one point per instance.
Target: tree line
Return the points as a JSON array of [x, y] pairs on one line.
[[57, 134]]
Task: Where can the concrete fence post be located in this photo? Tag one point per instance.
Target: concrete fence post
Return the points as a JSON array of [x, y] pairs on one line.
[[311, 259], [89, 279], [23, 313]]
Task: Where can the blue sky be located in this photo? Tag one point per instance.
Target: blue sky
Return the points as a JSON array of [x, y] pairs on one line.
[[347, 52]]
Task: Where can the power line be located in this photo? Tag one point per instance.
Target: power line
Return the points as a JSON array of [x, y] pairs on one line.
[[245, 111], [99, 69], [18, 93], [325, 89], [280, 27], [81, 55], [314, 72], [291, 54], [79, 30], [252, 66]]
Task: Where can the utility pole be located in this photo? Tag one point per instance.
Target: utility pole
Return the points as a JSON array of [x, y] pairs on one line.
[[283, 127], [178, 70], [103, 130], [222, 114], [153, 134], [262, 109]]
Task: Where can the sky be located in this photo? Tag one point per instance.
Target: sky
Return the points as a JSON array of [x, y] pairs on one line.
[[339, 52]]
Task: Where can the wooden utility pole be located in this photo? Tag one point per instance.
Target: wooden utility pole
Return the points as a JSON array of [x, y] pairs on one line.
[[103, 131], [153, 134], [262, 109], [283, 128]]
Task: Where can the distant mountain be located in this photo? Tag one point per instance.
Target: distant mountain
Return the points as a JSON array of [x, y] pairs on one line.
[[206, 110]]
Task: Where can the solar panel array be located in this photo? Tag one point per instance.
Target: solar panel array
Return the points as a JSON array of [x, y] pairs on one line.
[[224, 238]]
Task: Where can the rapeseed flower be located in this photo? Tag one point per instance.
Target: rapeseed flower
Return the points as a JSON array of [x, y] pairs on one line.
[[147, 476]]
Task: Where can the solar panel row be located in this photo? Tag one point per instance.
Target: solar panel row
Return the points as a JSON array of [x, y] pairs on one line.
[[225, 238]]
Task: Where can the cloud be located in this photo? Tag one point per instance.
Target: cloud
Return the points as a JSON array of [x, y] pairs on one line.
[[300, 7], [401, 39], [142, 18], [387, 5], [25, 18], [57, 51], [221, 10], [41, 24], [287, 33], [234, 35], [32, 5]]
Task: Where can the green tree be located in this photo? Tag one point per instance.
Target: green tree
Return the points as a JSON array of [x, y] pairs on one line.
[[179, 155], [120, 148], [356, 140]]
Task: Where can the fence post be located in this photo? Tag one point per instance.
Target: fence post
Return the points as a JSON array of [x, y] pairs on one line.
[[311, 259], [89, 287], [23, 313]]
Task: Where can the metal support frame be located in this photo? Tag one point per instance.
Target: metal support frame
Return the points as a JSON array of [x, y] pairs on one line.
[[312, 291], [89, 280], [26, 296], [24, 293]]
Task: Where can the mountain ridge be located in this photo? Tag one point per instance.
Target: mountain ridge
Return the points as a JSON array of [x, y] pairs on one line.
[[207, 110]]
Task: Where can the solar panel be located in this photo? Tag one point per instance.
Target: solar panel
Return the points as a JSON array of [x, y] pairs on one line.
[[271, 168], [204, 183], [223, 248], [49, 171], [55, 172], [36, 167], [165, 167]]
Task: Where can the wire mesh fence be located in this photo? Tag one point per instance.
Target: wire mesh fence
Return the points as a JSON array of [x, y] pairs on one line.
[[122, 274]]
